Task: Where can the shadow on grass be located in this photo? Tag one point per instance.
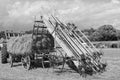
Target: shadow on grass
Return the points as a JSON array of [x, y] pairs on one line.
[[16, 64], [58, 70], [38, 64]]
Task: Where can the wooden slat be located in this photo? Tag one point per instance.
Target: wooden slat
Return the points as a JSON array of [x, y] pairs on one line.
[[61, 43], [83, 47]]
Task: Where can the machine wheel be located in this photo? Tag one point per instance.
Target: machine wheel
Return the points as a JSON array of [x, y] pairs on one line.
[[4, 55], [57, 59], [26, 62]]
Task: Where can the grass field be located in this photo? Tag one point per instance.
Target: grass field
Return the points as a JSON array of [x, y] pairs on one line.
[[112, 56]]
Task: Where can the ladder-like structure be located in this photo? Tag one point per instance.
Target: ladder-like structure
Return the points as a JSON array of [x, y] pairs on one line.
[[83, 40], [73, 42], [39, 28], [38, 33]]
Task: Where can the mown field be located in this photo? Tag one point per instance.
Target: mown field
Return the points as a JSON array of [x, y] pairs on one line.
[[112, 56]]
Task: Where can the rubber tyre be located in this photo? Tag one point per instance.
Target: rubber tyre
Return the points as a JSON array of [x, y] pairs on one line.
[[4, 55]]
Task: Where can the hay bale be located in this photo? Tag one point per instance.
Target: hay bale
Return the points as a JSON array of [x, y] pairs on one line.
[[20, 45]]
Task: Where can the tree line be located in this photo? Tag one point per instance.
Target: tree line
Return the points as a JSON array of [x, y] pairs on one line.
[[103, 33]]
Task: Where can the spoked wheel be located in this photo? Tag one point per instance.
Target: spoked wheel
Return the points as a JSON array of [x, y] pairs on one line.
[[26, 62], [11, 60], [53, 61], [58, 60], [62, 59]]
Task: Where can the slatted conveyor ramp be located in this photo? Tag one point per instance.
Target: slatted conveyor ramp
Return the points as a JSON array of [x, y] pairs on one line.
[[73, 42]]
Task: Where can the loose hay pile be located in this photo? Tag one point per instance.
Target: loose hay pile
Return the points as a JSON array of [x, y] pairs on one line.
[[24, 44], [20, 45]]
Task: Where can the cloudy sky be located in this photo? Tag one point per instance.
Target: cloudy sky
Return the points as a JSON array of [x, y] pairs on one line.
[[19, 14]]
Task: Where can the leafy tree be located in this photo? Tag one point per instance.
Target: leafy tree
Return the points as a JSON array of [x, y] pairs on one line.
[[118, 34], [29, 32], [88, 32], [2, 34], [95, 36], [105, 33]]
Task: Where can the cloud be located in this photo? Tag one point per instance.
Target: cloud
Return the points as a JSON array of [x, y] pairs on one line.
[[19, 9], [20, 13], [67, 11], [115, 1]]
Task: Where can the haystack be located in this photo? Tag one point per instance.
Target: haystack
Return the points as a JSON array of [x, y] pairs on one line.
[[24, 44], [20, 45]]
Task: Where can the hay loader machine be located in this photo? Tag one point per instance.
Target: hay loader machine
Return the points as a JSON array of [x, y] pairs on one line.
[[79, 50]]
